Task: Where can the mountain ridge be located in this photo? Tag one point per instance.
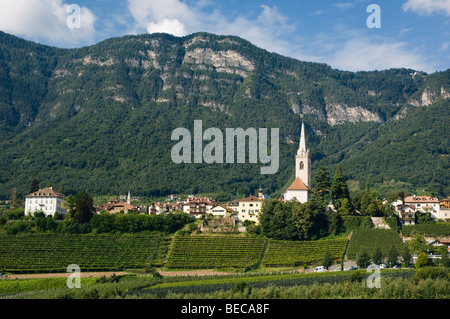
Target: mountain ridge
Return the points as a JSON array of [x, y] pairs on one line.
[[101, 108]]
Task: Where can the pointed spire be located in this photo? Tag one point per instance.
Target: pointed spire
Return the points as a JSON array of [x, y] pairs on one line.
[[302, 148], [129, 198]]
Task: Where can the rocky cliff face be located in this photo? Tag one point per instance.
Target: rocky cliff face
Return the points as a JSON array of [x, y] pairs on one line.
[[339, 113]]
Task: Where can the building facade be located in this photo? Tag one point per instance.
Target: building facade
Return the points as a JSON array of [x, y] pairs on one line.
[[198, 206], [425, 204], [406, 214], [249, 208], [45, 200]]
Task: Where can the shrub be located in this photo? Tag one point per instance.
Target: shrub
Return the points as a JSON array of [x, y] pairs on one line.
[[356, 276], [428, 272], [363, 259], [91, 294], [157, 275], [17, 226], [422, 261], [240, 286]]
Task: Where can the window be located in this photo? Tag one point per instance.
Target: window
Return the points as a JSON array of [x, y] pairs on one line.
[[302, 166]]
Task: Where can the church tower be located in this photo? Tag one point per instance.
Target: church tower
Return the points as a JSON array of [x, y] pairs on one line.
[[303, 161], [300, 188]]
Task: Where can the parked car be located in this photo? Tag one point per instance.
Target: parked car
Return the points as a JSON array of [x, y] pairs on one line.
[[396, 266], [382, 266], [351, 268], [338, 269], [319, 269]]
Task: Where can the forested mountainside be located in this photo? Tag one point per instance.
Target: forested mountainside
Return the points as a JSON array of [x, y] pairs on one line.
[[100, 118]]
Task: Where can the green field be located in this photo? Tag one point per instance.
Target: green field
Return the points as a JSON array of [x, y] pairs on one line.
[[371, 238], [41, 253], [294, 253], [54, 252], [190, 252], [434, 229], [395, 284]]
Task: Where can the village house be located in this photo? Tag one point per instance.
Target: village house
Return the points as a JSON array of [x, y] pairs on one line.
[[444, 210], [249, 208], [441, 242], [114, 206], [424, 204], [45, 200], [406, 214], [222, 210], [198, 206]]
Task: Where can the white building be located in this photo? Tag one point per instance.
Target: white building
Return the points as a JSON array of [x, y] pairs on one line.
[[249, 208], [45, 200], [425, 204], [407, 214], [198, 206], [300, 188], [221, 210]]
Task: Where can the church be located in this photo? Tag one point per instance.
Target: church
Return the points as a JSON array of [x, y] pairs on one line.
[[301, 186]]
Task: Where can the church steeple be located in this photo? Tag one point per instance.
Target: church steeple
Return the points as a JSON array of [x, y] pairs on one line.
[[301, 186], [302, 148], [303, 160]]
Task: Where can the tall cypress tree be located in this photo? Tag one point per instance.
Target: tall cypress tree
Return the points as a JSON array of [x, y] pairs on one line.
[[34, 186], [339, 189], [321, 186]]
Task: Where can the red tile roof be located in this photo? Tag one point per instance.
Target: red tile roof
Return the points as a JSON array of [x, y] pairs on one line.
[[298, 184], [45, 192], [248, 199], [421, 199]]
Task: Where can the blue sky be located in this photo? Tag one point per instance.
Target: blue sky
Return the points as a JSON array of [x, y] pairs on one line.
[[413, 33]]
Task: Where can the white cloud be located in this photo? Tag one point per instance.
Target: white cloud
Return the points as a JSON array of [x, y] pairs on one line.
[[171, 26], [177, 18], [445, 46], [166, 16], [316, 13], [45, 20], [423, 7], [342, 48], [361, 54], [344, 5]]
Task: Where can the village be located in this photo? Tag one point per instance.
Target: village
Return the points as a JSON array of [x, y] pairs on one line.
[[240, 212]]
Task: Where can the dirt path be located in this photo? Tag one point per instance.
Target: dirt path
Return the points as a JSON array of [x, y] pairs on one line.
[[86, 274], [194, 273], [108, 274]]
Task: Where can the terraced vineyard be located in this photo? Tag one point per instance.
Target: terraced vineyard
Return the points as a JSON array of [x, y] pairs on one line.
[[54, 252], [369, 238], [190, 252], [294, 253]]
